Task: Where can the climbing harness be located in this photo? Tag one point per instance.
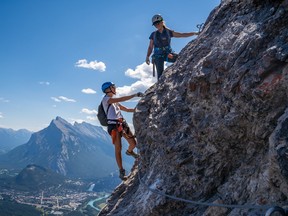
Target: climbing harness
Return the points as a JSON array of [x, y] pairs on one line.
[[123, 128], [120, 126], [200, 27], [162, 49]]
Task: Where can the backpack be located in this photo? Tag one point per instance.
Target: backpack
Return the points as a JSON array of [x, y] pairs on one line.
[[102, 115]]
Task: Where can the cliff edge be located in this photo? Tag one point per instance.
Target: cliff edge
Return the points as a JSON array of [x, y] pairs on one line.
[[214, 129]]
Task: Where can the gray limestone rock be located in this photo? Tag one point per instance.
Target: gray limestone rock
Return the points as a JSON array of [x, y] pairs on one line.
[[214, 129]]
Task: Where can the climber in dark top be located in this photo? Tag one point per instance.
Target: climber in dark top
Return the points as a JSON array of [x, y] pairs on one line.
[[160, 42]]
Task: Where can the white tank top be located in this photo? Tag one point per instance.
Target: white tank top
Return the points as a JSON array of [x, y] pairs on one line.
[[114, 112]]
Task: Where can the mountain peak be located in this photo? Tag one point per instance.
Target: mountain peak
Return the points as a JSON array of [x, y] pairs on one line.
[[72, 150], [58, 119], [90, 130], [61, 124]]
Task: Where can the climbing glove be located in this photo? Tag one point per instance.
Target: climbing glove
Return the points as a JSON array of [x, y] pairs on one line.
[[140, 94]]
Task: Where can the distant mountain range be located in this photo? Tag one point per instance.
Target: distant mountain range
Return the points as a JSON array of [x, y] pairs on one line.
[[10, 138], [78, 151]]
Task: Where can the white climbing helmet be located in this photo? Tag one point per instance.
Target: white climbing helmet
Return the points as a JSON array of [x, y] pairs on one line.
[[156, 18]]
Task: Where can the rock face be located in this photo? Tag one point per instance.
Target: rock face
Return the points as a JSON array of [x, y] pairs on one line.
[[214, 128]]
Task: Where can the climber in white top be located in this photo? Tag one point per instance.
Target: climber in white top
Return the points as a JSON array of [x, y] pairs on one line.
[[117, 126]]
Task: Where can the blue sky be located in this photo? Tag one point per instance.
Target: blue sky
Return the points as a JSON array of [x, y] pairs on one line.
[[55, 54]]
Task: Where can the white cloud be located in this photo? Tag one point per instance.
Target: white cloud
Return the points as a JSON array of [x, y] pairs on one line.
[[91, 115], [72, 120], [142, 71], [88, 91], [44, 83], [89, 119], [62, 98], [66, 99], [94, 65], [55, 99], [89, 112], [144, 79], [1, 115], [144, 74]]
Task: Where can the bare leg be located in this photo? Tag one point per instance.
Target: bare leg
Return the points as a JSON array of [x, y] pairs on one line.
[[131, 140], [118, 148]]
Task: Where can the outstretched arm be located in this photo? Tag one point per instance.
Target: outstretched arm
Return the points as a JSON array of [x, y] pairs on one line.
[[189, 34], [121, 99], [126, 109], [125, 98]]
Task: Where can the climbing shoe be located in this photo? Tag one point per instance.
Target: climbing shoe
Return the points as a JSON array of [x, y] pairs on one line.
[[122, 174], [133, 154]]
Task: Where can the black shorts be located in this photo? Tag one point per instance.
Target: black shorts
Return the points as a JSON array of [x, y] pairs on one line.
[[111, 127], [119, 126]]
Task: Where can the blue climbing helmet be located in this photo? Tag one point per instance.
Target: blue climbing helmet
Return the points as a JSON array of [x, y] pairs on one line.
[[107, 85]]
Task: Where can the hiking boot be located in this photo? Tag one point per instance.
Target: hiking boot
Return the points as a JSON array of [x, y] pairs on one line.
[[133, 154], [122, 174]]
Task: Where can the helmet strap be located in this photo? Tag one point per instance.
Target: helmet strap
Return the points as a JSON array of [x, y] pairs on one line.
[[112, 91]]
